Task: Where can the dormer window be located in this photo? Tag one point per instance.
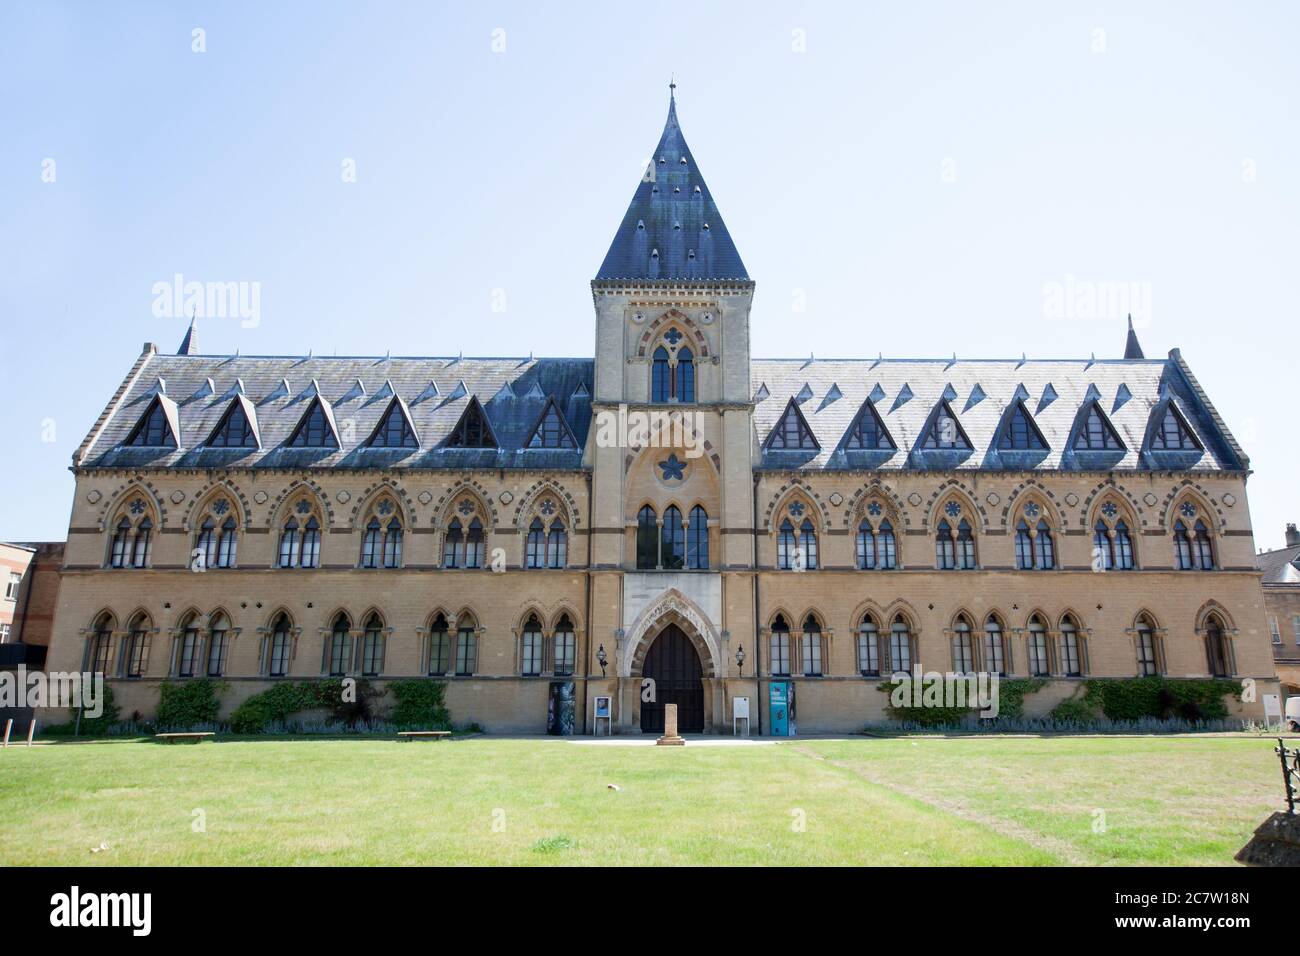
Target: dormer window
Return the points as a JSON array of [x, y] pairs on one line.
[[153, 430]]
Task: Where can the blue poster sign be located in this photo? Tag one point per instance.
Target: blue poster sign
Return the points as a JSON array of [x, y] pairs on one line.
[[780, 699]]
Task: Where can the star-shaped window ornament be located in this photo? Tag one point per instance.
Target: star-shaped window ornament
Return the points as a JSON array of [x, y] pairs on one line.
[[137, 506], [797, 509], [466, 507], [874, 509], [1188, 509], [674, 469], [1032, 509], [304, 506], [548, 507], [385, 507], [1109, 509], [220, 506], [953, 509], [673, 336]]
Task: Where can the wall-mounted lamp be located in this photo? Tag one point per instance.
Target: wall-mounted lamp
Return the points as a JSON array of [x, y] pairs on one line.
[[602, 659], [740, 659]]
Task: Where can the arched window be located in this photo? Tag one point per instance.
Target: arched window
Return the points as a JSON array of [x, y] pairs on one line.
[[1044, 552], [281, 647], [1024, 547], [289, 544], [1147, 648], [530, 650], [886, 547], [866, 546], [227, 543], [1103, 551], [1202, 550], [393, 544], [672, 540], [965, 546], [647, 539], [535, 549], [808, 542], [995, 649], [1039, 660], [141, 548], [120, 556], [466, 649], [1123, 547], [99, 646], [1072, 653], [565, 647], [557, 545], [372, 647], [453, 546], [188, 646], [945, 552], [372, 544], [439, 647], [697, 540], [785, 546], [338, 649], [812, 647], [660, 374], [963, 649], [868, 647], [1216, 648], [135, 656], [218, 645], [900, 646], [299, 542], [685, 375], [207, 542], [780, 647], [475, 542]]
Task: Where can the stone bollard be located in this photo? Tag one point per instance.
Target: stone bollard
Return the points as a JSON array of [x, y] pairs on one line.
[[670, 738]]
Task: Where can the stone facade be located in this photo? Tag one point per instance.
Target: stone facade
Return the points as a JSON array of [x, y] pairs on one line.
[[682, 519]]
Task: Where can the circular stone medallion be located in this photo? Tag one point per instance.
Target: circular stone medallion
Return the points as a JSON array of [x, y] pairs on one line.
[[343, 497], [1150, 499], [837, 499], [425, 497], [1072, 499], [914, 499], [93, 496], [260, 497], [506, 497]]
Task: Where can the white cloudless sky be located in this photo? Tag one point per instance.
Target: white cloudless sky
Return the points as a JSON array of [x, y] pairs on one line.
[[911, 175]]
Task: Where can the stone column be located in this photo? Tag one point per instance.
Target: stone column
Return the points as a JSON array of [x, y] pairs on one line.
[[670, 738]]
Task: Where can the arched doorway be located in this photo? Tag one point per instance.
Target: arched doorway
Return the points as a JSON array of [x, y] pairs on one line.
[[674, 665]]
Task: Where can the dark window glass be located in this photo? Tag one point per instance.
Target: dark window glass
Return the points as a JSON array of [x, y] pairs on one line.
[[153, 430], [660, 386], [672, 541], [647, 539], [472, 431], [234, 431], [551, 432], [394, 430], [1020, 434], [313, 430]]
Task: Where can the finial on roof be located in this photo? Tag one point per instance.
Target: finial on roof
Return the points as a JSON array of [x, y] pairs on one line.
[[190, 344], [1132, 348]]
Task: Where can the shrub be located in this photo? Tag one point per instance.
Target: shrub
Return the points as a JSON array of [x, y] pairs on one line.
[[419, 705], [1136, 698], [186, 704], [277, 705], [1074, 710]]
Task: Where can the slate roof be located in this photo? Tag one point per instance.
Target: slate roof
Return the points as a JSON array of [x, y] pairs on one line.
[[672, 229], [982, 395], [1281, 566], [279, 390]]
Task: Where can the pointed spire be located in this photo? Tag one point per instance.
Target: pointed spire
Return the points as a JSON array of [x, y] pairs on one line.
[[672, 228], [190, 344], [1132, 349]]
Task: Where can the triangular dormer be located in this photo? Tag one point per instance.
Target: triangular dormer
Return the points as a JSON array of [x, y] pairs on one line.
[[1169, 430], [157, 427], [473, 430], [1095, 432], [1020, 432], [395, 428], [868, 431], [316, 427], [791, 432], [237, 428], [551, 430], [944, 431]]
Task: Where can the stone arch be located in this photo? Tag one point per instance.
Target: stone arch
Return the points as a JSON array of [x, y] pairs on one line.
[[563, 609], [1207, 507], [875, 488], [200, 501], [657, 326], [275, 614], [443, 509], [671, 607], [1213, 608], [862, 610], [535, 492], [372, 493], [796, 487], [1032, 489], [530, 610], [275, 514], [655, 441], [1042, 615], [1087, 510], [117, 500], [910, 614], [958, 490], [1071, 613]]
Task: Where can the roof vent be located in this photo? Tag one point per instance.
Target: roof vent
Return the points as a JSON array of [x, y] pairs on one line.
[[698, 192], [640, 225], [662, 161], [654, 253], [706, 227], [690, 254], [805, 393], [762, 392], [682, 161], [677, 226]]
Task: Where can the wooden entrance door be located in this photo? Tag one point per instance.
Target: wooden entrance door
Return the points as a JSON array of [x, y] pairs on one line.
[[675, 667]]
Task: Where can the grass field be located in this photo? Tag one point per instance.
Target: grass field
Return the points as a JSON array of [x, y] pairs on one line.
[[904, 801]]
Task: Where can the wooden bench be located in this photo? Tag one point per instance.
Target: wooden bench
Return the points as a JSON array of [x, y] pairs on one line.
[[423, 734], [195, 735]]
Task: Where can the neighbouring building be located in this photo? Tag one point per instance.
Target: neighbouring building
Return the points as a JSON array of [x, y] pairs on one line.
[[14, 561], [1281, 584], [670, 508]]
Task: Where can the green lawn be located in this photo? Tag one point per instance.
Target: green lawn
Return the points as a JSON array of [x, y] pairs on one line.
[[543, 801]]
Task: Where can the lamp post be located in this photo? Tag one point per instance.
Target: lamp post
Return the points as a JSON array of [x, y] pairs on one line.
[[740, 659]]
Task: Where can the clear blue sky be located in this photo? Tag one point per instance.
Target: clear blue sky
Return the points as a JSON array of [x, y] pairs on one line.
[[480, 170]]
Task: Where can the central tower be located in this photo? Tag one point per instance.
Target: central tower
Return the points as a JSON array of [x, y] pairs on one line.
[[672, 512]]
